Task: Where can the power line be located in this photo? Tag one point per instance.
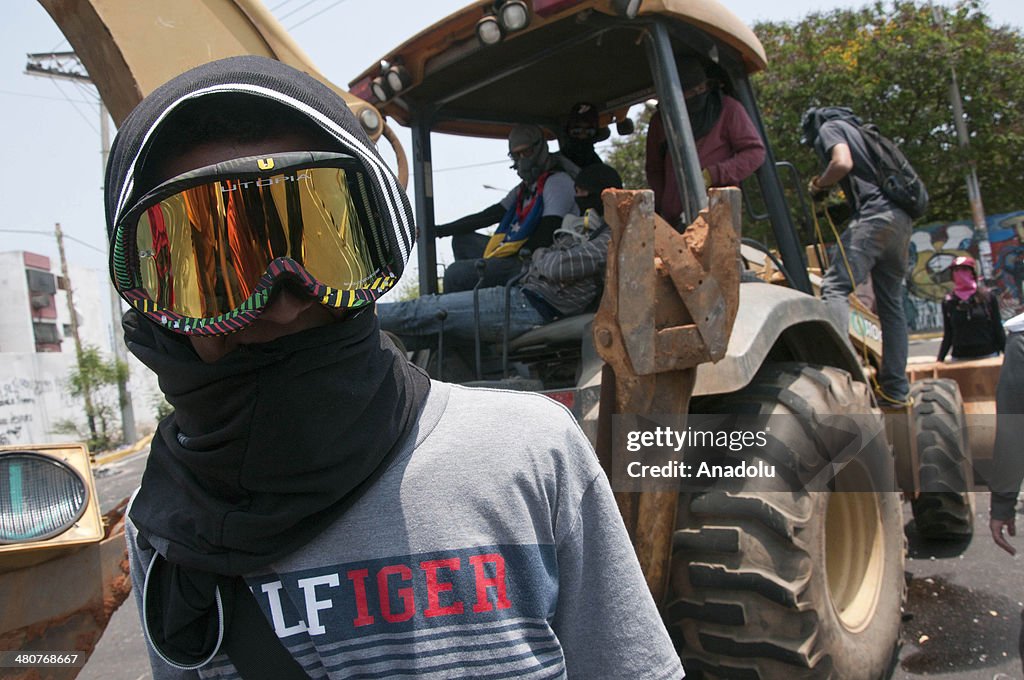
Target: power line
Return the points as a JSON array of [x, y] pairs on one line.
[[279, 5], [51, 235], [297, 9], [77, 110], [26, 231], [87, 92], [466, 167], [313, 16], [86, 244]]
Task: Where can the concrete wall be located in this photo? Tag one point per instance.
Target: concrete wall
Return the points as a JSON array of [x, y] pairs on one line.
[[33, 397]]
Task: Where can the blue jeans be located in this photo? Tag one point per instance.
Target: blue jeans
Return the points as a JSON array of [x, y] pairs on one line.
[[876, 245], [416, 321], [462, 274]]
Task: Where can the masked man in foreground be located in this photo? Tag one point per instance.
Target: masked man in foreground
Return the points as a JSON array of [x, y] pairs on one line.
[[315, 506]]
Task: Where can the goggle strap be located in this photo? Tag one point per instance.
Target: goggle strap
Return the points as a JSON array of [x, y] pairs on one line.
[[120, 260], [371, 218]]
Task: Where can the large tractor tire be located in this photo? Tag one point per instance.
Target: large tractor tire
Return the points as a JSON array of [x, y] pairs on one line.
[[774, 582], [944, 510]]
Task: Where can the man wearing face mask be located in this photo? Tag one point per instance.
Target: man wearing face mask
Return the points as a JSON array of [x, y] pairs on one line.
[[527, 217], [728, 145], [971, 324], [315, 506], [582, 131], [563, 280]]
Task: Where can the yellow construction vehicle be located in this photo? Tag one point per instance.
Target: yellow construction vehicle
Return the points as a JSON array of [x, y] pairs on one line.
[[762, 579], [63, 566]]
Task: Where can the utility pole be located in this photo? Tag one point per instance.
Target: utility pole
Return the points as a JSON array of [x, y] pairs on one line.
[[67, 66], [90, 412], [973, 186], [124, 395]]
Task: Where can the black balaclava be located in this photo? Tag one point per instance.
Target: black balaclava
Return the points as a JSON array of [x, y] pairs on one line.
[[703, 109], [580, 150], [595, 178], [271, 443], [532, 166]]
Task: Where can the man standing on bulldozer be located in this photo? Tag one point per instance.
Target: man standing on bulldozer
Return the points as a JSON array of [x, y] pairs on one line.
[[874, 244]]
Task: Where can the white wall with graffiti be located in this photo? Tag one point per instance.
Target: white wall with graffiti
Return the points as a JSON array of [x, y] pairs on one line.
[[933, 248], [35, 400], [33, 396]]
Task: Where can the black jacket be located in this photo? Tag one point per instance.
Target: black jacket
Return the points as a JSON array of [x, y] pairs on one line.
[[972, 327]]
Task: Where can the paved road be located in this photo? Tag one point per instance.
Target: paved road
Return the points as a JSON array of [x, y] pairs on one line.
[[121, 652], [963, 609]]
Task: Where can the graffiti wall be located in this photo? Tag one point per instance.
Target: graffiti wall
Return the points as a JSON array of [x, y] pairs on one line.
[[933, 249], [33, 397]]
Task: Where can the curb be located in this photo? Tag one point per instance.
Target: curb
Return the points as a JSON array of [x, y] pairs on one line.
[[114, 456]]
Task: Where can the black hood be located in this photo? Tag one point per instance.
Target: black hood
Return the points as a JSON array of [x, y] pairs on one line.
[[815, 117], [265, 78]]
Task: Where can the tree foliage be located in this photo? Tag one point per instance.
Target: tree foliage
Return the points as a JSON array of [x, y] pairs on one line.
[[628, 153], [99, 377], [891, 63]]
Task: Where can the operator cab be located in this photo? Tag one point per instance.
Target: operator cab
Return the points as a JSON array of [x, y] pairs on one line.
[[450, 79], [461, 75]]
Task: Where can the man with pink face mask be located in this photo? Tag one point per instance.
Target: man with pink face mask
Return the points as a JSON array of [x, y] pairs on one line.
[[972, 327]]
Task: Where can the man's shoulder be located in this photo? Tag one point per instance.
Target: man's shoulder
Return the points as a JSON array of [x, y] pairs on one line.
[[559, 179], [731, 105], [492, 403], [528, 431], [839, 127], [520, 416]]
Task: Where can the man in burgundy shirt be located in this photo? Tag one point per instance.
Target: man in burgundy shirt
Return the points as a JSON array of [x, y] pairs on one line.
[[728, 145]]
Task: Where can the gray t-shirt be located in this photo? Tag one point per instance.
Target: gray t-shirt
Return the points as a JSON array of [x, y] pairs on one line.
[[861, 184], [491, 548]]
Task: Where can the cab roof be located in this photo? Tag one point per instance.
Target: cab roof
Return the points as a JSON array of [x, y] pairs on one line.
[[581, 51]]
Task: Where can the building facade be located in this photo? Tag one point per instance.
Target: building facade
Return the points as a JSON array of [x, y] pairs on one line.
[[38, 354]]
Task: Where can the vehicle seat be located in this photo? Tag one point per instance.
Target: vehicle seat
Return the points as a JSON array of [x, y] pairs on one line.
[[565, 331]]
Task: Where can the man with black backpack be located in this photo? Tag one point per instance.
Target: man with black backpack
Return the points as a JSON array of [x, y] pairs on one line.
[[883, 193]]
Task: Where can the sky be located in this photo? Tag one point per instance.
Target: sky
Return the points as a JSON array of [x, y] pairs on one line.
[[51, 166]]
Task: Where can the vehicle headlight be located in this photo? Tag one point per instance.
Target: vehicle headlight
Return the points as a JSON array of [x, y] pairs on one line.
[[40, 497]]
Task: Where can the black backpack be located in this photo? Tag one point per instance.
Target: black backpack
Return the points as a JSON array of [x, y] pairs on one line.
[[896, 176]]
